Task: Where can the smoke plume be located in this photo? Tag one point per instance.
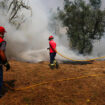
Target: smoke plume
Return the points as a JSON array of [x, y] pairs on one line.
[[30, 42]]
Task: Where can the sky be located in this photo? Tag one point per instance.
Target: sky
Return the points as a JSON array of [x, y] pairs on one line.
[[53, 4]]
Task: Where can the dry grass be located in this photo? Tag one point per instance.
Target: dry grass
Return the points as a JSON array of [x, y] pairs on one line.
[[84, 91]]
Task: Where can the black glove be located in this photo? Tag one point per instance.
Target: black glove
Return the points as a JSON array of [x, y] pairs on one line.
[[7, 65], [48, 48]]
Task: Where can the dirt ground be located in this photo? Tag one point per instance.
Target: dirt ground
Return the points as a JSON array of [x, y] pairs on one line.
[[74, 83]]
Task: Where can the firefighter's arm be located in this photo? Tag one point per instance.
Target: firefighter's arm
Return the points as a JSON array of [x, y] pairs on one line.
[[4, 60], [3, 56], [55, 50]]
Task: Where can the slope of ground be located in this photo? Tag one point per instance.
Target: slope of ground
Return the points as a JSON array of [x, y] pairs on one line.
[[76, 91]]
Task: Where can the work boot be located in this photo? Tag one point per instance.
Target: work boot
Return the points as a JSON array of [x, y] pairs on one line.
[[52, 66], [56, 64], [1, 95]]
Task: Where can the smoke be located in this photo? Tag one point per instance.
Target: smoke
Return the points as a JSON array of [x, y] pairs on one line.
[[30, 42]]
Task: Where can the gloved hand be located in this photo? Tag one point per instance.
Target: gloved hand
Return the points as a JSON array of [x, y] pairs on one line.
[[48, 48], [7, 65]]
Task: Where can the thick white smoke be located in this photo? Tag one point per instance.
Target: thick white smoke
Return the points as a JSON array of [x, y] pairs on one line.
[[31, 41]]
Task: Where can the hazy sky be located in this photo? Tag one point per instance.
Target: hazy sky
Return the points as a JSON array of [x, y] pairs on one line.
[[53, 4]]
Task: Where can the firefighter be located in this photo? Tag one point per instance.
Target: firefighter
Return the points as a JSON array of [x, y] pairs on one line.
[[52, 49], [3, 59]]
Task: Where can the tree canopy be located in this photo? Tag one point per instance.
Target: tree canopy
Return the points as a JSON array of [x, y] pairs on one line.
[[83, 23]]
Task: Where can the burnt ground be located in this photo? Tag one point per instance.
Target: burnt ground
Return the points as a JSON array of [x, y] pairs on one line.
[[77, 91]]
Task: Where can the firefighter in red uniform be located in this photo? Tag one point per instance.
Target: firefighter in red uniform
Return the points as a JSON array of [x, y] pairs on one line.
[[52, 48], [3, 59]]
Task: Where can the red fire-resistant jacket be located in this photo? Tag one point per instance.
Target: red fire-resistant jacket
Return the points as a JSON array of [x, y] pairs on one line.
[[52, 45]]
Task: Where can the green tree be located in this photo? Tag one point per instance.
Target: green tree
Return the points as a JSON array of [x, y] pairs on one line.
[[95, 3], [84, 24]]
